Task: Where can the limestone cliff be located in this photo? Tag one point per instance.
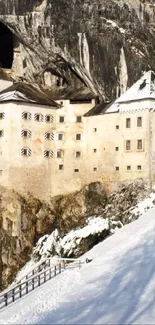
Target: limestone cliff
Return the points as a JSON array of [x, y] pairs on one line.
[[23, 220], [105, 44]]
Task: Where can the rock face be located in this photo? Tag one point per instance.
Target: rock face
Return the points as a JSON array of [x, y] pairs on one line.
[[23, 220], [103, 44]]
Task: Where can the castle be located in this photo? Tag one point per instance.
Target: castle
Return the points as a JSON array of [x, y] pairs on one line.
[[51, 146]]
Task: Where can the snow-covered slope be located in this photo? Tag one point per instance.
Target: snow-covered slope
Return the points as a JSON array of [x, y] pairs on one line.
[[117, 287]]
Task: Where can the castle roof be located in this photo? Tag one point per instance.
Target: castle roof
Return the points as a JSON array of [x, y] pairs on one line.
[[26, 93], [143, 89], [82, 93]]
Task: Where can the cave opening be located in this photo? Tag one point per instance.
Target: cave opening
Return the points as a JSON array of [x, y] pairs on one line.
[[6, 47]]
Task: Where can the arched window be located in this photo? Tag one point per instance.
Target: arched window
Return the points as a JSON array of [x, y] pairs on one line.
[[49, 136], [26, 134], [38, 117], [26, 152], [26, 116], [48, 154], [49, 119]]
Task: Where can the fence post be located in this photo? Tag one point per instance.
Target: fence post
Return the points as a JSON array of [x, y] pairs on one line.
[[60, 267], [13, 295], [39, 280], [33, 284], [79, 264], [20, 291], [27, 288], [64, 264], [44, 276], [50, 274], [6, 299], [55, 270]]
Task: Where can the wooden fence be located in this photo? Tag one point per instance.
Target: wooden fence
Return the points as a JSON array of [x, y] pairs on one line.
[[33, 280]]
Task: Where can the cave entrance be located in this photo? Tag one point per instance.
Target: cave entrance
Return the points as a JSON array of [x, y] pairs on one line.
[[6, 47]]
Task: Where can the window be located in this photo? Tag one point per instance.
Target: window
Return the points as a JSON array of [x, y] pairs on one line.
[[79, 119], [117, 127], [76, 170], [128, 168], [26, 116], [116, 148], [49, 119], [60, 136], [61, 119], [1, 133], [48, 153], [139, 121], [128, 145], [139, 144], [38, 117], [95, 129], [117, 168], [128, 123], [95, 169], [2, 116], [95, 150], [139, 167], [61, 167], [78, 154], [49, 136], [78, 136], [26, 152], [60, 154], [26, 134]]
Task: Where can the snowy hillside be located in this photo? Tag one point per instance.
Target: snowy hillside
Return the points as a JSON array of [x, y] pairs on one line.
[[117, 287]]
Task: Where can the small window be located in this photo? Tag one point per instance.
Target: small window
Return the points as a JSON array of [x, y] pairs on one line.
[[116, 148], [61, 119], [26, 152], [60, 136], [26, 134], [2, 116], [128, 168], [139, 144], [38, 117], [139, 167], [60, 154], [78, 154], [95, 169], [26, 116], [61, 167], [95, 150], [76, 170], [128, 145], [117, 127], [48, 154], [79, 119], [78, 136], [139, 121], [95, 129], [128, 123], [117, 168], [49, 119], [1, 133], [49, 136]]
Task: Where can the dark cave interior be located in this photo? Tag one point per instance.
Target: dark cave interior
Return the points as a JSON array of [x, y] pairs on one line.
[[6, 47]]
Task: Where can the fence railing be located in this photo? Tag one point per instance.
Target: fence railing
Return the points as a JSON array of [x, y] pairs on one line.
[[34, 280]]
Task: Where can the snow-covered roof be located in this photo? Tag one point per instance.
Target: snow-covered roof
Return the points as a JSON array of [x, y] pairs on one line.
[[27, 93]]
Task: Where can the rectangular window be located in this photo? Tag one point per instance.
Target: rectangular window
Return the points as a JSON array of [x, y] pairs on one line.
[[128, 123], [139, 144], [38, 117], [128, 168], [60, 136], [26, 152], [139, 167], [78, 119], [2, 115], [78, 154], [76, 170], [139, 121], [117, 168], [59, 153], [95, 169], [78, 136], [117, 127], [26, 116], [61, 167], [48, 154], [116, 148], [95, 129], [61, 119], [128, 145], [49, 118], [95, 150]]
